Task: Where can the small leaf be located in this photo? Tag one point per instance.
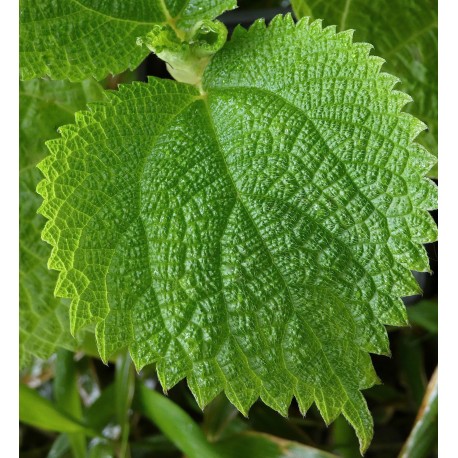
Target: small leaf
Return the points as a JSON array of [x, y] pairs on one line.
[[253, 235], [175, 423], [78, 39]]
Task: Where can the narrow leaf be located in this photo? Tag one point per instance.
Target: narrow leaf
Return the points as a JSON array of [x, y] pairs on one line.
[[67, 397], [423, 437], [124, 392], [258, 445], [175, 423], [37, 411]]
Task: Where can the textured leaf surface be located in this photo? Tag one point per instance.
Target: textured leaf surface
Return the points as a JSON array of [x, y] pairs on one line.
[[404, 32], [76, 39], [255, 237], [44, 106]]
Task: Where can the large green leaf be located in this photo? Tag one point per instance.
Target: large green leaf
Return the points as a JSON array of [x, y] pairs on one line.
[[76, 39], [254, 235], [404, 32], [44, 106]]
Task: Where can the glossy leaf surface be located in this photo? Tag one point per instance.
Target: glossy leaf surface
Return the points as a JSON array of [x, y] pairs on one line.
[[254, 236], [404, 32]]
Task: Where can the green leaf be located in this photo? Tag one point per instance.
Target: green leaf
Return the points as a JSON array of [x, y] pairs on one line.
[[67, 397], [423, 436], [76, 39], [254, 236], [424, 314], [99, 414], [44, 106], [259, 445], [175, 423], [37, 411], [60, 447], [404, 32], [124, 393], [301, 8]]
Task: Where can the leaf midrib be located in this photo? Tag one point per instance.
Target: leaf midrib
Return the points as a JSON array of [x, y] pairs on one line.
[[274, 264]]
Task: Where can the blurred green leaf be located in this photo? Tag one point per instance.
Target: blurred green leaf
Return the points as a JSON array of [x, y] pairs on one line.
[[423, 437], [102, 449], [37, 411], [425, 315], [175, 423], [300, 8], [60, 447], [409, 355], [218, 415], [260, 445], [67, 397], [344, 439], [103, 410], [43, 106], [124, 393]]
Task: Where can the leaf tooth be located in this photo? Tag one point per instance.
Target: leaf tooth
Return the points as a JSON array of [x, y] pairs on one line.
[[367, 375], [424, 228], [424, 193], [67, 131], [357, 414], [401, 99], [82, 118], [330, 399], [420, 159], [259, 25], [238, 33], [345, 36], [242, 396], [54, 146], [391, 311], [316, 27], [205, 382], [388, 81], [330, 30], [303, 23], [177, 366], [377, 341], [279, 400], [304, 395]]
